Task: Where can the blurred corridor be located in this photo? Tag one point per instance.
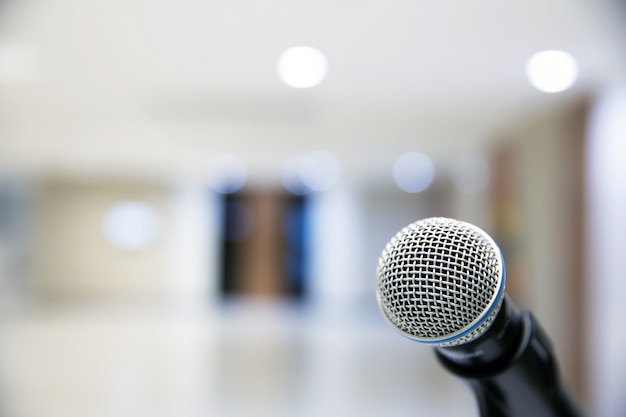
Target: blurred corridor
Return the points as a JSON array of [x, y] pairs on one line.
[[194, 196]]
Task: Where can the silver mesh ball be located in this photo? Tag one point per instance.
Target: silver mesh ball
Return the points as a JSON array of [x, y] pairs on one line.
[[440, 281]]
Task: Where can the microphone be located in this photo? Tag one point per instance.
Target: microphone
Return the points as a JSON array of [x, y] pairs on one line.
[[441, 282]]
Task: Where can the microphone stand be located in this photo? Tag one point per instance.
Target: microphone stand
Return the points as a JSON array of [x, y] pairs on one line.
[[511, 369]]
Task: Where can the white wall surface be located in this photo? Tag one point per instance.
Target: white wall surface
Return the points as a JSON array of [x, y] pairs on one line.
[[607, 249]]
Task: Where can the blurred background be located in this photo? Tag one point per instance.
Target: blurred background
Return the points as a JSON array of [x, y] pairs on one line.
[[194, 196]]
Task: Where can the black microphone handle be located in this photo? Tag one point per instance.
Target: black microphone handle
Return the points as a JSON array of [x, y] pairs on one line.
[[511, 369]]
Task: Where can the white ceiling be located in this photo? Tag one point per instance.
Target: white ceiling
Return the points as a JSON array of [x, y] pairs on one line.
[[161, 85]]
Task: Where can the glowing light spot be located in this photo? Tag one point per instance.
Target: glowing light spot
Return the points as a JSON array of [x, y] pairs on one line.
[[302, 67], [131, 225], [413, 172], [552, 71]]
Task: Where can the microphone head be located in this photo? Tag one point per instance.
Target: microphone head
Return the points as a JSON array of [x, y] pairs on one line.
[[441, 281]]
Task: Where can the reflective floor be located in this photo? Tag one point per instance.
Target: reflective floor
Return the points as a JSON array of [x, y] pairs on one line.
[[244, 359]]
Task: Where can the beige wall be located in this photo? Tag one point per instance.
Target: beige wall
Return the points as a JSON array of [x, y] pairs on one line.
[[551, 231], [72, 257]]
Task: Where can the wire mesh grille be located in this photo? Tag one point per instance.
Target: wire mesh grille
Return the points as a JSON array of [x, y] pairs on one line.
[[438, 276]]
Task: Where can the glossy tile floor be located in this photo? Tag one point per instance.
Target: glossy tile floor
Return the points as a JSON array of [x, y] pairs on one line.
[[239, 360]]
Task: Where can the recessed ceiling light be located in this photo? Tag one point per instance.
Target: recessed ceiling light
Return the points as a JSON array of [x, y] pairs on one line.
[[302, 67], [552, 71]]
